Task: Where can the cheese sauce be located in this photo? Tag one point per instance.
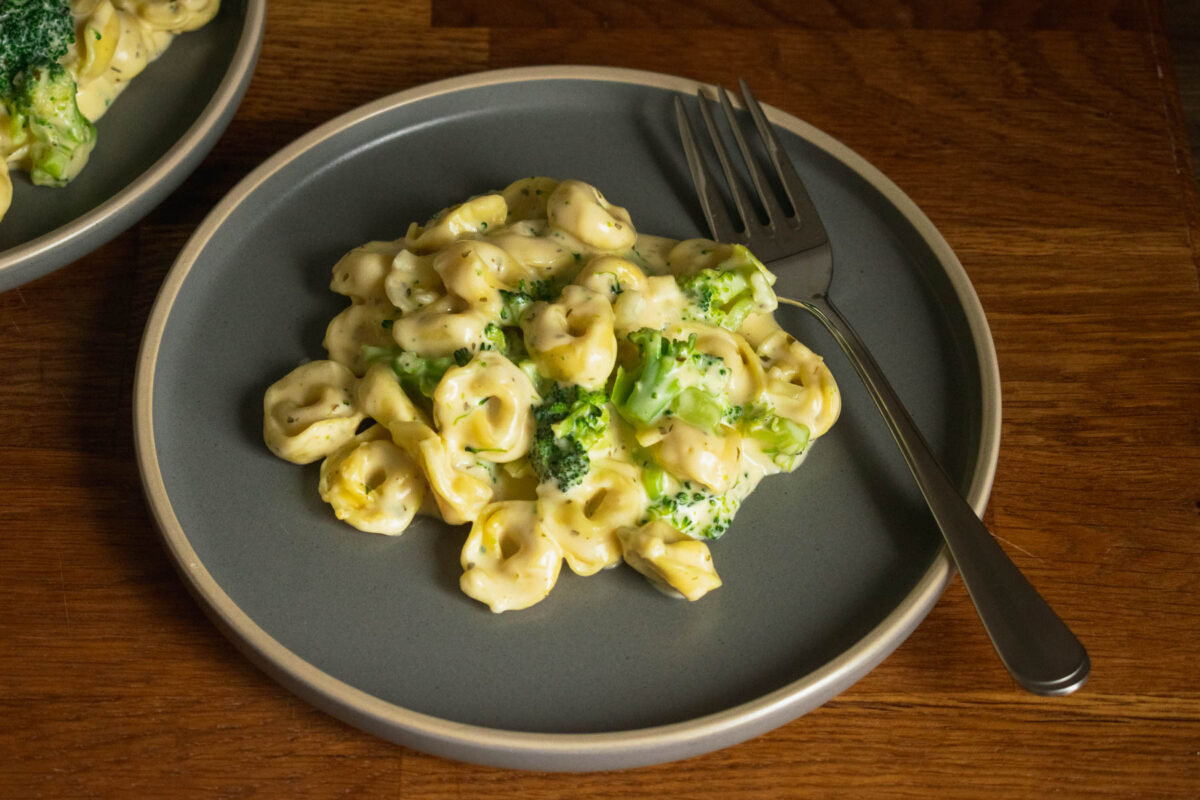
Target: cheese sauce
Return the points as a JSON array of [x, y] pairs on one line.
[[576, 391]]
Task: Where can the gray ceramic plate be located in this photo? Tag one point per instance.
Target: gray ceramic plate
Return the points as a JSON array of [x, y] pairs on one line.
[[152, 138], [826, 571]]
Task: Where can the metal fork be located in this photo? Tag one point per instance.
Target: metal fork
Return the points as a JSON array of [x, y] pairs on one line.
[[1035, 645]]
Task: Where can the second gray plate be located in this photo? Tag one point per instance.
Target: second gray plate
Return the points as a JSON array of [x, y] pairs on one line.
[[826, 571], [155, 134]]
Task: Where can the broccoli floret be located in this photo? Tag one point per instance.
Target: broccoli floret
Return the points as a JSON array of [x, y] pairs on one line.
[[424, 374], [416, 374], [724, 295], [63, 137], [670, 378], [696, 511], [38, 93], [513, 306], [516, 302], [570, 421], [565, 463], [494, 339], [779, 437], [33, 33], [734, 415]]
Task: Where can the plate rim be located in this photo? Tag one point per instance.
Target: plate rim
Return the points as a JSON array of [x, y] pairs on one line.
[[53, 250], [555, 751]]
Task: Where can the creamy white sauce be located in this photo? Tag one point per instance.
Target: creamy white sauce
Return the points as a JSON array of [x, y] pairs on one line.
[[654, 493]]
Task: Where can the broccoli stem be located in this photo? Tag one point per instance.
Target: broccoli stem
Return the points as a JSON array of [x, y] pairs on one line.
[[62, 137], [670, 377]]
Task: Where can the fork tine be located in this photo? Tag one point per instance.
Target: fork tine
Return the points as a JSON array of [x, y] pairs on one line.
[[802, 205], [766, 196], [719, 222], [741, 200]]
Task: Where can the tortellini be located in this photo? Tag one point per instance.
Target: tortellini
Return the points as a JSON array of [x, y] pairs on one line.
[[372, 484], [358, 326], [114, 41], [544, 255], [310, 412], [526, 198], [474, 216], [460, 488], [381, 397], [477, 272], [486, 408], [360, 274], [585, 520], [582, 212], [798, 382], [508, 562], [443, 327], [694, 454], [572, 340], [747, 380], [675, 564], [612, 276], [527, 364], [412, 282]]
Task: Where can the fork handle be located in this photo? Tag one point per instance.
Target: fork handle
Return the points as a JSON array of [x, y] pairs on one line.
[[1036, 646]]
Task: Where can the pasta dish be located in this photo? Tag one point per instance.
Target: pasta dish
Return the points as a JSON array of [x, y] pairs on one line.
[[529, 364], [63, 63]]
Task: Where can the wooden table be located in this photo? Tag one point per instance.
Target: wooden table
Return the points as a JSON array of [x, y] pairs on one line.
[[1044, 140]]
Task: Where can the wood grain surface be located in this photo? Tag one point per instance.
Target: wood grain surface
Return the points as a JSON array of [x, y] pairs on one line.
[[1045, 141]]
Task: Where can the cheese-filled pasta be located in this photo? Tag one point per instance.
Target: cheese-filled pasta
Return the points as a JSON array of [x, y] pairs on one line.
[[697, 454], [747, 381], [443, 327], [526, 198], [508, 562], [63, 63], [372, 484], [581, 211], [569, 388], [460, 488], [477, 272], [676, 565], [799, 383], [543, 253], [361, 273], [612, 276], [412, 282], [359, 326], [584, 519], [572, 340], [485, 407], [380, 397], [310, 412], [474, 216]]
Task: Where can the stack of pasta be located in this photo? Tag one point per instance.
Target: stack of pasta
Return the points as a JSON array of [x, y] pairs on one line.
[[528, 364]]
